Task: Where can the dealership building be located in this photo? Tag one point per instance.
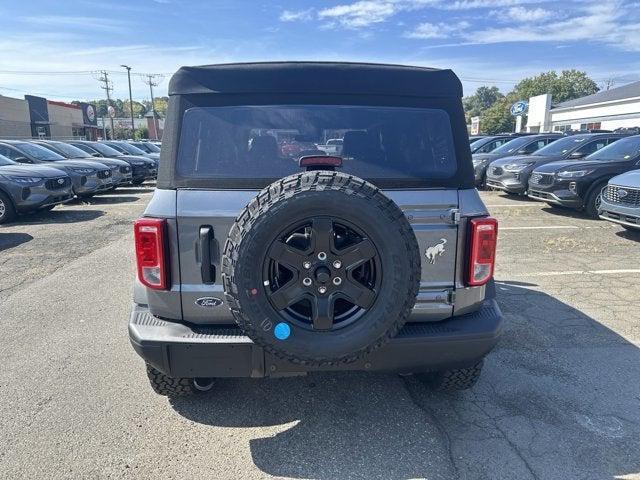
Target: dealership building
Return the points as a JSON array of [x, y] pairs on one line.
[[607, 110], [37, 117]]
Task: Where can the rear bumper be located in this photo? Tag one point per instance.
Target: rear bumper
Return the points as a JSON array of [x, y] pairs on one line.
[[179, 350]]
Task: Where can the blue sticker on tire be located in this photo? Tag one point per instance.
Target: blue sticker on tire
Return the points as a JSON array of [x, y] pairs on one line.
[[282, 331]]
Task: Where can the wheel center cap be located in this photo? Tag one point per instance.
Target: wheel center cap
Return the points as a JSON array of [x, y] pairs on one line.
[[322, 274]]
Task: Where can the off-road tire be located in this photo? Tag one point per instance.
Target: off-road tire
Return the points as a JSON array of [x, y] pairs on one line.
[[168, 386], [453, 380], [9, 214], [385, 318]]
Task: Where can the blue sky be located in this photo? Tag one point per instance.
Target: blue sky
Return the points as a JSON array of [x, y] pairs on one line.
[[492, 42]]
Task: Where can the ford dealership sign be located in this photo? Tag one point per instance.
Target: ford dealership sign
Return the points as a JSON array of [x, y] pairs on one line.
[[519, 108]]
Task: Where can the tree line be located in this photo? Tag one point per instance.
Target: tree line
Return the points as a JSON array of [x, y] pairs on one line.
[[123, 107], [493, 107]]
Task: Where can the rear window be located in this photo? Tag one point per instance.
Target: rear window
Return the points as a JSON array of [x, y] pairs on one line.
[[257, 142]]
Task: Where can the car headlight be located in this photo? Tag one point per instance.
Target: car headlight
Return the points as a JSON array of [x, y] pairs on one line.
[[84, 171], [24, 180], [517, 167], [573, 173]]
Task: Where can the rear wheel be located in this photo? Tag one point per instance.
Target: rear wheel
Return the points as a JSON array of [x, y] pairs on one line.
[[177, 387], [7, 210], [452, 380]]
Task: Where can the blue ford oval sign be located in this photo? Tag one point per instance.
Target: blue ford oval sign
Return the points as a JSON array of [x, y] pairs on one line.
[[519, 108]]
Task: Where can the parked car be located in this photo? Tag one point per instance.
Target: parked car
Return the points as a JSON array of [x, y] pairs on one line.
[[473, 138], [28, 188], [491, 142], [332, 147], [620, 202], [147, 147], [511, 174], [87, 179], [578, 183], [251, 265], [524, 145], [142, 168], [120, 170], [127, 149]]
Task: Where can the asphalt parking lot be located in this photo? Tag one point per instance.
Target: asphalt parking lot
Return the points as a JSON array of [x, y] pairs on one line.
[[559, 397]]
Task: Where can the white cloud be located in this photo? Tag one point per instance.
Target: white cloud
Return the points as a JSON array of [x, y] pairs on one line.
[[360, 14], [522, 14], [437, 30], [299, 15], [475, 4]]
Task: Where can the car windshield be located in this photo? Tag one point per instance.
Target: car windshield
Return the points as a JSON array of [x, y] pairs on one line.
[[621, 150], [38, 152], [70, 151], [152, 148], [267, 141], [5, 161], [105, 150], [141, 146], [513, 145], [476, 144], [562, 146], [127, 148]]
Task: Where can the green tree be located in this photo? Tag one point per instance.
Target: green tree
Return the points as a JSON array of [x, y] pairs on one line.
[[476, 104], [570, 84]]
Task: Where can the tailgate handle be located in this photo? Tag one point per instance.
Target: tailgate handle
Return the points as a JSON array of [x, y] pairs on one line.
[[207, 271]]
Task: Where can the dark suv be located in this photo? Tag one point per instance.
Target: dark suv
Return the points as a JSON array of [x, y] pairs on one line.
[[578, 183], [524, 145], [511, 174], [252, 263]]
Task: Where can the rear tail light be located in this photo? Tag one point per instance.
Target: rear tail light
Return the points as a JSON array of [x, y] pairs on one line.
[[482, 250], [150, 237], [320, 161]]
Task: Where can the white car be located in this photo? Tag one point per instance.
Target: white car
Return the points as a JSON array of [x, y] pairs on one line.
[[332, 147]]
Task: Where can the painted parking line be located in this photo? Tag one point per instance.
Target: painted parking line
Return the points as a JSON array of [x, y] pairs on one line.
[[523, 204], [541, 227], [577, 272]]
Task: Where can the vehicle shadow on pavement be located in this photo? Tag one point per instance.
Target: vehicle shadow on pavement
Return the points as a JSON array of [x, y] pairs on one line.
[[10, 239], [558, 398], [568, 212], [629, 235], [59, 216], [106, 200]]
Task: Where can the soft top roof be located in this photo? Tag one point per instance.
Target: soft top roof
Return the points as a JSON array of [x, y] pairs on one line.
[[316, 77]]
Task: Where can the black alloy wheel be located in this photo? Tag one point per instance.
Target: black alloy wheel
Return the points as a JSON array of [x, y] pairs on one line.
[[322, 274]]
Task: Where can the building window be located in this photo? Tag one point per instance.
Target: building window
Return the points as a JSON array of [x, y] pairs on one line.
[[561, 128], [590, 126]]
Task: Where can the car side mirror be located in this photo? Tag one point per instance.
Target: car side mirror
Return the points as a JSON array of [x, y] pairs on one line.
[[22, 160], [522, 152], [96, 154], [576, 155]]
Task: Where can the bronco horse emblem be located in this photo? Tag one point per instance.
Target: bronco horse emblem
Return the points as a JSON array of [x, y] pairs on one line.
[[435, 251]]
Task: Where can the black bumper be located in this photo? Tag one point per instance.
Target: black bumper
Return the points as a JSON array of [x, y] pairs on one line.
[[179, 350]]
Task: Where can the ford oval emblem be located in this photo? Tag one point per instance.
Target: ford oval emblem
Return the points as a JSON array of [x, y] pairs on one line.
[[622, 193], [61, 181], [208, 302]]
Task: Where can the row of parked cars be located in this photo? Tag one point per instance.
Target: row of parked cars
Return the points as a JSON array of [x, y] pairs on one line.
[[40, 174], [596, 172]]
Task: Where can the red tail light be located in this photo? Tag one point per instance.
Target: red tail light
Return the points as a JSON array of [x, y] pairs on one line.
[[149, 235], [482, 250], [320, 161]]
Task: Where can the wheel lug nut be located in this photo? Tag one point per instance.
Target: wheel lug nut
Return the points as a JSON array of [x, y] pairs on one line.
[[322, 256], [322, 289], [337, 264], [306, 282], [306, 265], [337, 280]]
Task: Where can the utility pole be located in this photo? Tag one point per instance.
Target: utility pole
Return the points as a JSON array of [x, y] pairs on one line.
[[107, 87], [151, 81], [133, 128]]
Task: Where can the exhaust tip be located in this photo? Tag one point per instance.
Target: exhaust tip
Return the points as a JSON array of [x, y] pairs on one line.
[[203, 384]]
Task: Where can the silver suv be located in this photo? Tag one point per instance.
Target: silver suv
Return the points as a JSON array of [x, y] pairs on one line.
[[252, 262]]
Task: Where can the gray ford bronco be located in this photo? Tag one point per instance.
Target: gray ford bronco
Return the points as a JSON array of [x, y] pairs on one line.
[[262, 255]]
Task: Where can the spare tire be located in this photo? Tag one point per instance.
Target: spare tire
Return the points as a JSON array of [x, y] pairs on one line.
[[321, 268]]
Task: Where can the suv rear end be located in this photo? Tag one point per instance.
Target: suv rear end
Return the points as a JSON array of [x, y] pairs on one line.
[[387, 246]]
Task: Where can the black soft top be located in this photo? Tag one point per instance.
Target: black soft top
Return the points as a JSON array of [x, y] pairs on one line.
[[316, 77]]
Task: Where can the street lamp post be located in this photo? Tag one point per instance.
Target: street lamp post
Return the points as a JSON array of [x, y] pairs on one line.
[[133, 128]]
